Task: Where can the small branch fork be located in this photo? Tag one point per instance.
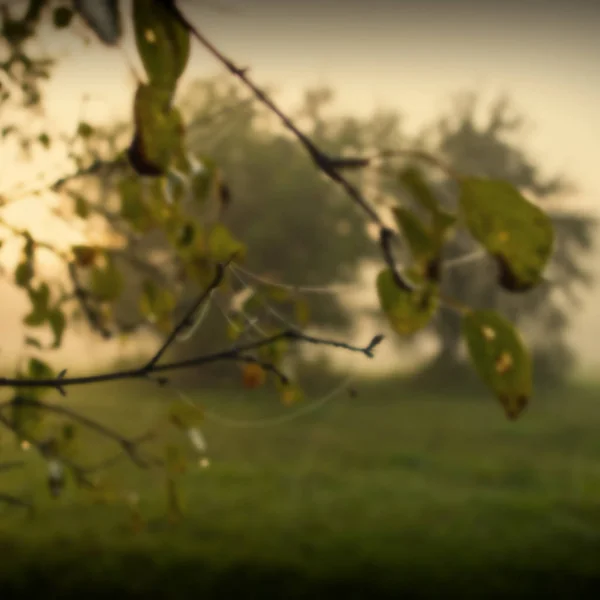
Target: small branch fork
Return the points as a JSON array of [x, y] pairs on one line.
[[329, 166], [130, 447]]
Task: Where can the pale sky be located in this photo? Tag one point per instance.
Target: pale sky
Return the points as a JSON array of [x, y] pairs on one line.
[[407, 55]]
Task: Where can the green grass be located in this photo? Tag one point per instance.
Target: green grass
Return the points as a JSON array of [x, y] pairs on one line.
[[383, 494]]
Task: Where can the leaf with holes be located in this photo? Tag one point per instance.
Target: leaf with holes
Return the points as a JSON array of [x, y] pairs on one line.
[[162, 42], [500, 358], [408, 312], [518, 234]]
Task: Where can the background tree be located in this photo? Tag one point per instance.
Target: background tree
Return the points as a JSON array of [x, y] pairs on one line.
[[475, 139], [164, 214], [274, 215]]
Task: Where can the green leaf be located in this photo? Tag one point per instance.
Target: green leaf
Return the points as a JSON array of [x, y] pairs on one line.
[[85, 130], [61, 17], [44, 140], [23, 273], [417, 234], [107, 283], [159, 132], [39, 301], [133, 208], [235, 327], [412, 179], [157, 304], [58, 322], [31, 341], [38, 369], [500, 358], [29, 247], [40, 297], [518, 234], [201, 181], [222, 245], [35, 318], [162, 42], [274, 353], [82, 209], [408, 312], [186, 235]]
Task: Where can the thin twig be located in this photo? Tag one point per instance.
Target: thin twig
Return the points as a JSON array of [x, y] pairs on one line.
[[188, 318], [327, 165]]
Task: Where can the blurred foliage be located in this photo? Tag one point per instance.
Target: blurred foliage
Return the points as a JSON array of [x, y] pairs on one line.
[[485, 142], [191, 185]]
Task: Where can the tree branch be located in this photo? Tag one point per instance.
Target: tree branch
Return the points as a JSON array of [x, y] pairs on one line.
[[327, 165]]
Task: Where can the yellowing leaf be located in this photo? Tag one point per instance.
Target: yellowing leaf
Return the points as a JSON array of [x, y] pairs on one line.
[[518, 234], [408, 312], [222, 245], [253, 376], [290, 394], [500, 358]]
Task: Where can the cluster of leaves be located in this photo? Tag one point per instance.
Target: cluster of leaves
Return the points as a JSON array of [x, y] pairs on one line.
[[513, 231], [159, 178]]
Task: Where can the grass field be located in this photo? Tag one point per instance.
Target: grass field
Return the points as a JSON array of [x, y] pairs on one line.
[[387, 494]]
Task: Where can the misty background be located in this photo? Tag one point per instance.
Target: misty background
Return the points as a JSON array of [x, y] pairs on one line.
[[408, 73]]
